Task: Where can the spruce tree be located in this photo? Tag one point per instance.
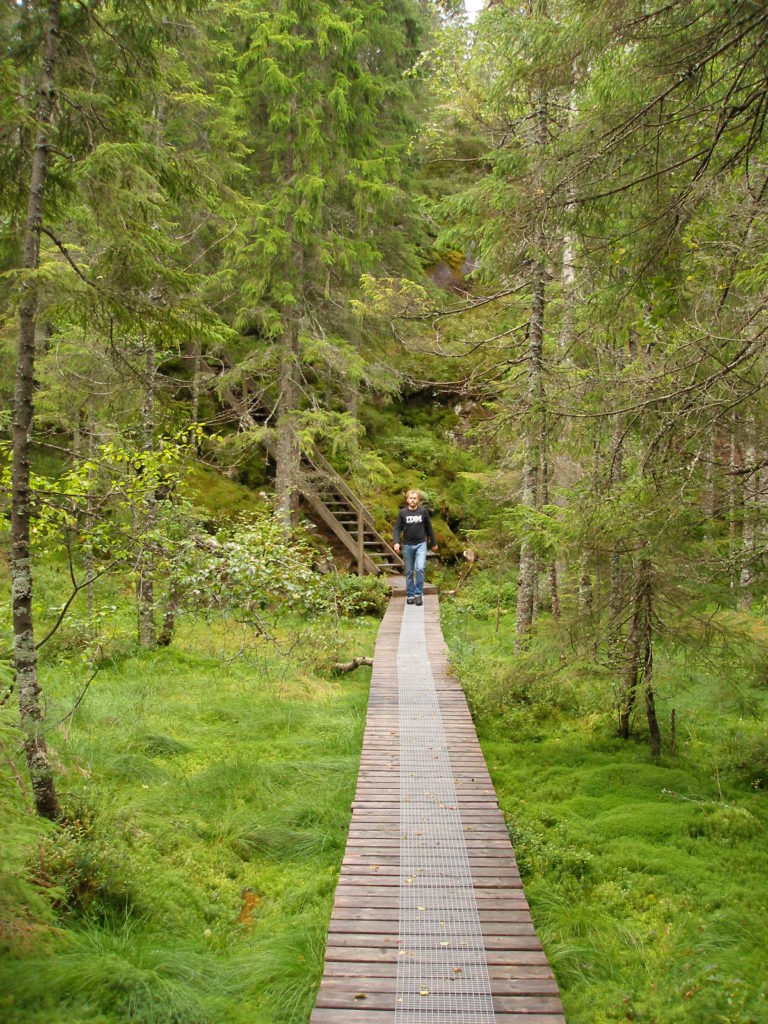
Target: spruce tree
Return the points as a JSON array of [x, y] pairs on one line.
[[327, 107]]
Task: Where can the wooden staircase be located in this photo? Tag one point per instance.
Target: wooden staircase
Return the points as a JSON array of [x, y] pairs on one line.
[[329, 497]]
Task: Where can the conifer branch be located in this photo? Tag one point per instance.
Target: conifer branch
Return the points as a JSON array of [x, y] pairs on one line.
[[68, 256]]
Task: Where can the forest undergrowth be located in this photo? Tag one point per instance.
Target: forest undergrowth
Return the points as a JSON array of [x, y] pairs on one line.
[[207, 793], [646, 878], [517, 261], [207, 797]]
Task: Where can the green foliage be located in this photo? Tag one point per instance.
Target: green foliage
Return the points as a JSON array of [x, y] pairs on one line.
[[207, 794], [250, 565], [216, 497], [645, 878], [118, 482], [529, 690], [266, 169], [545, 528], [360, 595], [743, 753]]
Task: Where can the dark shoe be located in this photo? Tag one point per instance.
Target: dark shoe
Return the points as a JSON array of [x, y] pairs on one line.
[[410, 600], [418, 599]]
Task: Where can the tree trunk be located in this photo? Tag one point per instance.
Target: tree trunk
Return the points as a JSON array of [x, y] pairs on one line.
[[710, 487], [169, 618], [526, 583], [748, 547], [89, 521], [585, 585], [24, 651], [554, 596], [287, 448], [498, 594], [589, 554], [288, 455], [197, 359], [634, 639], [615, 587], [598, 605], [145, 590], [650, 702], [614, 605], [733, 499], [526, 578]]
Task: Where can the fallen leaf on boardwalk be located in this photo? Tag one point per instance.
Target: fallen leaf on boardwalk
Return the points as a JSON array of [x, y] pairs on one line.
[[445, 942], [361, 995], [424, 991], [409, 881], [374, 867], [457, 970], [421, 908]]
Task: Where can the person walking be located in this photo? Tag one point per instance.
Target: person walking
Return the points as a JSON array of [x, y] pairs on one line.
[[414, 526]]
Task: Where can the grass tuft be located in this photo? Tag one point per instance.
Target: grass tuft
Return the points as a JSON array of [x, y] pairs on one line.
[[207, 807], [646, 878]]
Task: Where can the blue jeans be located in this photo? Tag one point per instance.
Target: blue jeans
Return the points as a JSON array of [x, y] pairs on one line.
[[415, 558]]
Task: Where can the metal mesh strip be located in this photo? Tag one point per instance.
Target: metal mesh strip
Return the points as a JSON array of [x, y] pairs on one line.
[[442, 973]]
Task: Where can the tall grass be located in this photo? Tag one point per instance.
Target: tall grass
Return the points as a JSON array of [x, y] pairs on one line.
[[208, 800], [646, 878]]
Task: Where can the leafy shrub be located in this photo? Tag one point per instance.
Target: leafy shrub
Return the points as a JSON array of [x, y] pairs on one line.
[[537, 854], [84, 871], [726, 822], [744, 756], [251, 565], [360, 595], [418, 451], [480, 599], [536, 682]]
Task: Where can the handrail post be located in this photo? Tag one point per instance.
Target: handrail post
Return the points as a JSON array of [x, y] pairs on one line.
[[360, 547]]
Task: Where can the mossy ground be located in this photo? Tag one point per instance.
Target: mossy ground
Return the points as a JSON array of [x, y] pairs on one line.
[[646, 878], [419, 439], [208, 801]]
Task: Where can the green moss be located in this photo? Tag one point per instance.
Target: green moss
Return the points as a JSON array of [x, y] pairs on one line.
[[221, 498], [208, 803], [646, 879]]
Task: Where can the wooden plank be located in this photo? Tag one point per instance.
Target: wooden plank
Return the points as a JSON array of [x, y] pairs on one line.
[[360, 1015], [364, 947]]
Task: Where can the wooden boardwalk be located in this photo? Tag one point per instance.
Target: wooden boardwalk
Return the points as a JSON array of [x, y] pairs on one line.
[[400, 944]]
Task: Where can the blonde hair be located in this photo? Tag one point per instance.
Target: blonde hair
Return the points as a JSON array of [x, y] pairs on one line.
[[412, 490]]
